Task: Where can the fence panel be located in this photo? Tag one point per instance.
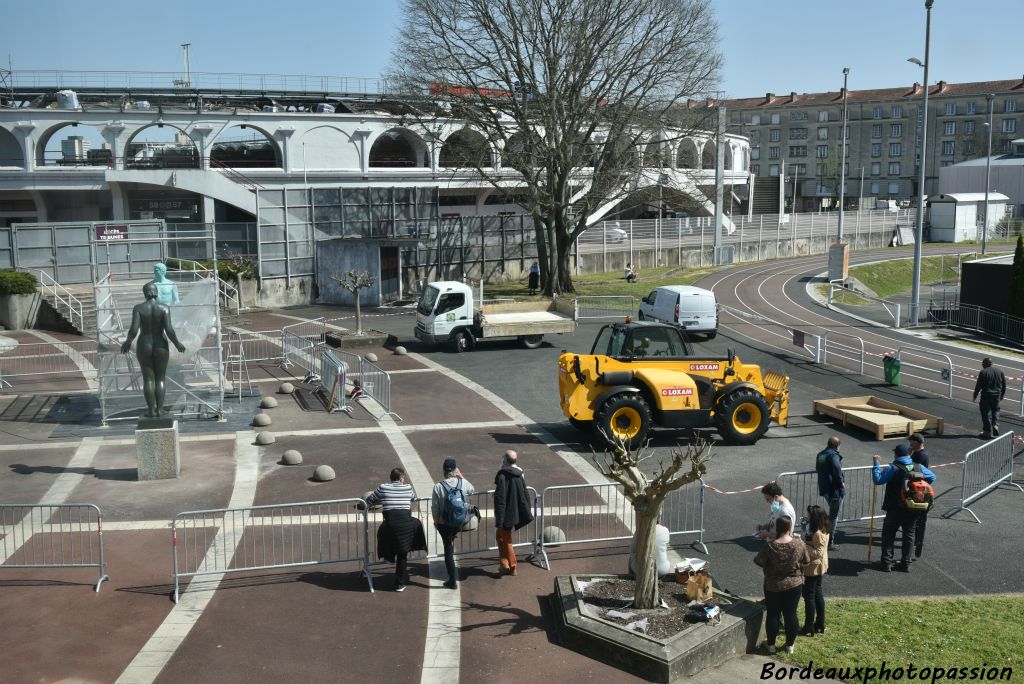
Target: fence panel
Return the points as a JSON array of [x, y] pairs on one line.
[[985, 468], [52, 536], [257, 346], [332, 379], [801, 488], [375, 383], [45, 358], [617, 307], [301, 352]]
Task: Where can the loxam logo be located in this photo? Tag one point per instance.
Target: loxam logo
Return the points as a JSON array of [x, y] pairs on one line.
[[676, 391], [704, 366]]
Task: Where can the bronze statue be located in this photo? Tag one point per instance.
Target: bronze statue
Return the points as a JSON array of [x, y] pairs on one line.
[[166, 290], [153, 319]]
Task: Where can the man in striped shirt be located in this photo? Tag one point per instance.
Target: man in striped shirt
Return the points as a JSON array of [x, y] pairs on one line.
[[400, 533]]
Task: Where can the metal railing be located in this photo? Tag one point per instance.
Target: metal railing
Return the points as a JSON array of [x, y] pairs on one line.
[[801, 488], [824, 348], [52, 536], [301, 352], [375, 382], [985, 468], [226, 540], [259, 346], [67, 304], [228, 293], [800, 337], [946, 374], [612, 306], [980, 318], [332, 382], [38, 359]]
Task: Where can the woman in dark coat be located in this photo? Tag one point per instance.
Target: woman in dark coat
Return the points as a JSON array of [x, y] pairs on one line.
[[512, 509], [400, 533]]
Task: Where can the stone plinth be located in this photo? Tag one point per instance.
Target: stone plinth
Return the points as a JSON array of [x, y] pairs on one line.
[[157, 449]]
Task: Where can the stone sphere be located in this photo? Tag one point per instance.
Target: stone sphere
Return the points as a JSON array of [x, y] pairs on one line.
[[291, 457], [323, 473], [286, 388], [268, 402], [401, 351], [261, 420], [371, 357], [265, 438], [553, 536]]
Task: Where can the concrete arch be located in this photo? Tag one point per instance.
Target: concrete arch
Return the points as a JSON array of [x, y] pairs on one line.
[[515, 155], [707, 157], [49, 149], [161, 146], [728, 158], [247, 147], [329, 148], [399, 148], [10, 150], [466, 148], [657, 154], [686, 157]]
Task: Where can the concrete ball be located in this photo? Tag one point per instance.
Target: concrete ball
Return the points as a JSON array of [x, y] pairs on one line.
[[401, 351], [286, 388], [261, 420], [291, 457], [371, 357], [265, 438], [553, 536], [268, 402], [323, 473]]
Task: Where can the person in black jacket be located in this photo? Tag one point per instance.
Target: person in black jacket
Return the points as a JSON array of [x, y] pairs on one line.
[[512, 509], [991, 385], [831, 483]]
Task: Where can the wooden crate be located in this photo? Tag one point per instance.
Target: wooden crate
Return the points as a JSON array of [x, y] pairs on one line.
[[878, 416]]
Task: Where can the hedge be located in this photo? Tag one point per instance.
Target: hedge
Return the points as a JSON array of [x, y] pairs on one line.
[[17, 282]]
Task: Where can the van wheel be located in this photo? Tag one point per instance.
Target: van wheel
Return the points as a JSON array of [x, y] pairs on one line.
[[742, 416], [461, 342], [624, 418], [531, 341], [640, 316], [712, 334]]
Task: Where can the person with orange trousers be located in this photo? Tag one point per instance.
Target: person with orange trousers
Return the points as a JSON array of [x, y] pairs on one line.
[[512, 509]]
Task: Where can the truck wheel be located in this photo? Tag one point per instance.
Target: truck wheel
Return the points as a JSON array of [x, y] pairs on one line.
[[742, 416], [461, 342], [531, 341], [625, 418]]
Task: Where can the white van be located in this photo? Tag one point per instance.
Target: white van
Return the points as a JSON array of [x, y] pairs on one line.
[[691, 308]]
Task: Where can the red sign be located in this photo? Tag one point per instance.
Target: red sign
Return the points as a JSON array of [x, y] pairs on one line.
[[448, 89], [107, 233], [676, 391], [704, 366]]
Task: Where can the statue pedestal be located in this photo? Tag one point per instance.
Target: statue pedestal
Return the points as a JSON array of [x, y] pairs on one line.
[[156, 446]]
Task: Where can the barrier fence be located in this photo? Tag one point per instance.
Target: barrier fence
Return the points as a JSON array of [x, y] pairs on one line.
[[611, 306], [374, 382], [801, 488], [46, 358], [264, 345], [301, 352], [984, 469], [228, 540], [332, 382], [52, 536]]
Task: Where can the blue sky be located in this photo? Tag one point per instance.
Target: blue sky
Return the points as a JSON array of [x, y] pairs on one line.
[[779, 46]]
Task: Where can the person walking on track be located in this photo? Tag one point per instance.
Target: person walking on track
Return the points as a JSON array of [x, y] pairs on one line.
[[991, 385]]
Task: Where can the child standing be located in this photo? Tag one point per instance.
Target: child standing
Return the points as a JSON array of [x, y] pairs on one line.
[[816, 535]]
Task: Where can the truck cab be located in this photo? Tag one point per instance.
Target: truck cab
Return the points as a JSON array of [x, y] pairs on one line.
[[445, 308]]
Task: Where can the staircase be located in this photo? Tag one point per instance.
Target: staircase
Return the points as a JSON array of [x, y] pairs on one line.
[[766, 195], [73, 308]]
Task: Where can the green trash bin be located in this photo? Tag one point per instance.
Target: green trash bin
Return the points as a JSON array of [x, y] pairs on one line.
[[891, 369]]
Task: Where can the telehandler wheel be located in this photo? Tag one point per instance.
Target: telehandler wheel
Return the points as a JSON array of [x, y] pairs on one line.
[[625, 418], [742, 416]]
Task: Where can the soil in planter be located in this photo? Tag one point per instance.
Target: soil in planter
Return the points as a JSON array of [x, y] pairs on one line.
[[610, 600]]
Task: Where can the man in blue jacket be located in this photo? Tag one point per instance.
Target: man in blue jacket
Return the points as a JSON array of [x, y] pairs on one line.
[[831, 483], [897, 515]]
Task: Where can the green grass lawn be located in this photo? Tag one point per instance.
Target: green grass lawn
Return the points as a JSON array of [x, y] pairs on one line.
[[891, 277], [933, 632], [611, 283]]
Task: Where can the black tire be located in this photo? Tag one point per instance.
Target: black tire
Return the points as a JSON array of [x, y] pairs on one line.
[[626, 417], [460, 341], [712, 335], [531, 341], [640, 316], [582, 425], [742, 416]]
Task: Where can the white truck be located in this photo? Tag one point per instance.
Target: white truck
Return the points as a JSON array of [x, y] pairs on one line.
[[446, 314]]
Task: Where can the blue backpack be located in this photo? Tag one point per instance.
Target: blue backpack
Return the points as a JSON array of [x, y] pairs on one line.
[[455, 512]]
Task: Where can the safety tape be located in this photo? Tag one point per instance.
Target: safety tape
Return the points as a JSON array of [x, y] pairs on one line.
[[352, 318]]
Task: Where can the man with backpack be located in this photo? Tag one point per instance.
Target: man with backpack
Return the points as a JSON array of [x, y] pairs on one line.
[[908, 494], [449, 506]]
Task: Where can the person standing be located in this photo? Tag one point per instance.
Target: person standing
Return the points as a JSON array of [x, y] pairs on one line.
[[400, 533], [534, 278], [512, 509], [897, 515], [919, 455], [778, 506], [782, 559], [991, 385], [449, 514], [816, 539], [831, 483]]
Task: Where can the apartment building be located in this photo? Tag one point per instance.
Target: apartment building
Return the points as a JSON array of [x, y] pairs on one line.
[[797, 136]]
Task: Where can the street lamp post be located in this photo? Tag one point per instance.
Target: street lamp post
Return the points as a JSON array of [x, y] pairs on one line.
[[915, 292], [842, 156], [988, 169]]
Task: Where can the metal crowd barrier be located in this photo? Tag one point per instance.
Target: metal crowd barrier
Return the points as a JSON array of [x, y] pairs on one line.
[[985, 468], [314, 330], [614, 306], [801, 488], [376, 384], [301, 352], [223, 540], [257, 346], [600, 512], [332, 382], [45, 358], [52, 536]]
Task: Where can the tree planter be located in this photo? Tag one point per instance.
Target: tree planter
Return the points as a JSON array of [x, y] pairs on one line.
[[19, 311]]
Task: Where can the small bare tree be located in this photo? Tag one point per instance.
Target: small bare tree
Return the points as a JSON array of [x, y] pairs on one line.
[[647, 494], [354, 281]]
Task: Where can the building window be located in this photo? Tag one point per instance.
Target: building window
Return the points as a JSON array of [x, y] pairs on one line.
[[972, 108], [894, 188], [1010, 106], [775, 118], [968, 147], [773, 153], [968, 128], [773, 135], [755, 119], [1005, 147], [895, 149], [755, 136], [798, 116], [755, 169], [874, 188], [1009, 125], [894, 168], [823, 189], [755, 153], [823, 134], [822, 116], [819, 169], [773, 170], [876, 130], [950, 108], [876, 113], [876, 169], [797, 133], [896, 130], [948, 148], [798, 151], [822, 151], [897, 112], [799, 170], [949, 128], [876, 149]]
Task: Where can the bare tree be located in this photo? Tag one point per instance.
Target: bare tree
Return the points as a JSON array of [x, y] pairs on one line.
[[354, 281], [647, 494], [564, 93]]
